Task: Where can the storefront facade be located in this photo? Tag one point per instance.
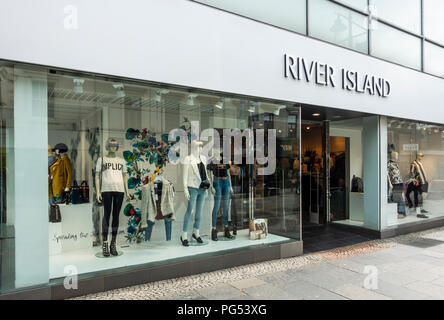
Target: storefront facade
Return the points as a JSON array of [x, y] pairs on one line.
[[307, 115]]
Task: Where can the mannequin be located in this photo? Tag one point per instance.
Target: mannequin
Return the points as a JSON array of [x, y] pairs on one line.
[[222, 189], [111, 186], [158, 204], [396, 184], [418, 184], [195, 184], [60, 173]]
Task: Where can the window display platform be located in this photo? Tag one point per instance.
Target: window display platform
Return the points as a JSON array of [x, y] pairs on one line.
[[85, 260], [435, 208]]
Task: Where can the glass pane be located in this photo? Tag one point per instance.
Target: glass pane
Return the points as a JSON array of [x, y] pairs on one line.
[[339, 25], [277, 195], [396, 46], [85, 112], [433, 59], [357, 4], [402, 13], [415, 172], [433, 20], [288, 14]]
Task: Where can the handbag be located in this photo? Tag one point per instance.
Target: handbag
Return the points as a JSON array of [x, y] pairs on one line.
[[84, 191], [205, 184], [258, 229], [54, 213], [75, 196]]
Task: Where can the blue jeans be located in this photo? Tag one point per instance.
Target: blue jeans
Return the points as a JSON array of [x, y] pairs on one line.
[[222, 192], [197, 199]]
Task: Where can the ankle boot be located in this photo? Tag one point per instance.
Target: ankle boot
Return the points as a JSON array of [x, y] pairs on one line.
[[227, 233], [105, 250], [113, 248], [214, 234]]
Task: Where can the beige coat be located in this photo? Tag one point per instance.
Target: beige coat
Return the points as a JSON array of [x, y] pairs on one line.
[[148, 207]]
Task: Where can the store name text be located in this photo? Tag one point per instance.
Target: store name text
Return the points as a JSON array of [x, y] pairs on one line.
[[324, 74]]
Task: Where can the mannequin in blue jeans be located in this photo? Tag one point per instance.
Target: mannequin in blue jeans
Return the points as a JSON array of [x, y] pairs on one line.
[[196, 183], [222, 190]]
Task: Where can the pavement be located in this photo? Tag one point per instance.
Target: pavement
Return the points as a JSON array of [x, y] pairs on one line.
[[408, 267]]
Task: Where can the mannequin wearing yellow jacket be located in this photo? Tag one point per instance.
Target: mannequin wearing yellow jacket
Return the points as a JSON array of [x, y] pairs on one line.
[[60, 172]]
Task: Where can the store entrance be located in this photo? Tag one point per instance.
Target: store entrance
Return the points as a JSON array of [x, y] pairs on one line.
[[331, 166]]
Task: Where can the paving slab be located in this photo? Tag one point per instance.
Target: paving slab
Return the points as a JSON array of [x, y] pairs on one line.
[[247, 283], [268, 292], [355, 292], [220, 292]]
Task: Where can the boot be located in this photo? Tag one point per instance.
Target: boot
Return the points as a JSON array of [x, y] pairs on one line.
[[227, 233], [113, 248], [105, 250], [214, 234]]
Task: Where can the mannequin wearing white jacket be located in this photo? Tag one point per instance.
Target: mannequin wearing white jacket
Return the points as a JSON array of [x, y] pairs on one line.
[[195, 176]]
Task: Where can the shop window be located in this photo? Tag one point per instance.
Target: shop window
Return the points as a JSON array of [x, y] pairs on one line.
[[414, 174], [112, 144]]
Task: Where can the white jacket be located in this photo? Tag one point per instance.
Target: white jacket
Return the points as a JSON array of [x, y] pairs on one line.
[[148, 206], [191, 175]]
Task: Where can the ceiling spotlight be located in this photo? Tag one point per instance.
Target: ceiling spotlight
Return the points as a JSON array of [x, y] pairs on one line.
[[190, 99], [78, 85], [316, 114], [220, 103], [119, 89], [159, 93], [308, 128], [252, 107]]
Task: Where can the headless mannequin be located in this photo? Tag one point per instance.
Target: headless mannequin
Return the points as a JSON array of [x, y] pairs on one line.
[[225, 188], [396, 183]]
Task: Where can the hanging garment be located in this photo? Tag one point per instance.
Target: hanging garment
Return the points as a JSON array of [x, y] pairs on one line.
[[60, 176], [149, 205]]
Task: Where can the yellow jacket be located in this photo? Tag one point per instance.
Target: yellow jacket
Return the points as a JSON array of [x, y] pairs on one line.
[[60, 172]]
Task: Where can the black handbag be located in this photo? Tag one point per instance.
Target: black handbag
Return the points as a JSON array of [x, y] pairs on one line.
[[75, 195], [205, 184], [84, 191], [54, 213]]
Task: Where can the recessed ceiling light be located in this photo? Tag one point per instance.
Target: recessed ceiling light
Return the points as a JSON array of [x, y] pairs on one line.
[[308, 128], [219, 104], [316, 114]]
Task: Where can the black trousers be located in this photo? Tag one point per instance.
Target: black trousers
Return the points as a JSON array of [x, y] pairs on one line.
[[114, 200], [417, 190]]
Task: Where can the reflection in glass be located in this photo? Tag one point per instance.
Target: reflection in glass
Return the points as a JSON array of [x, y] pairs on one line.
[[433, 59], [339, 25], [402, 13], [396, 46], [287, 14]]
